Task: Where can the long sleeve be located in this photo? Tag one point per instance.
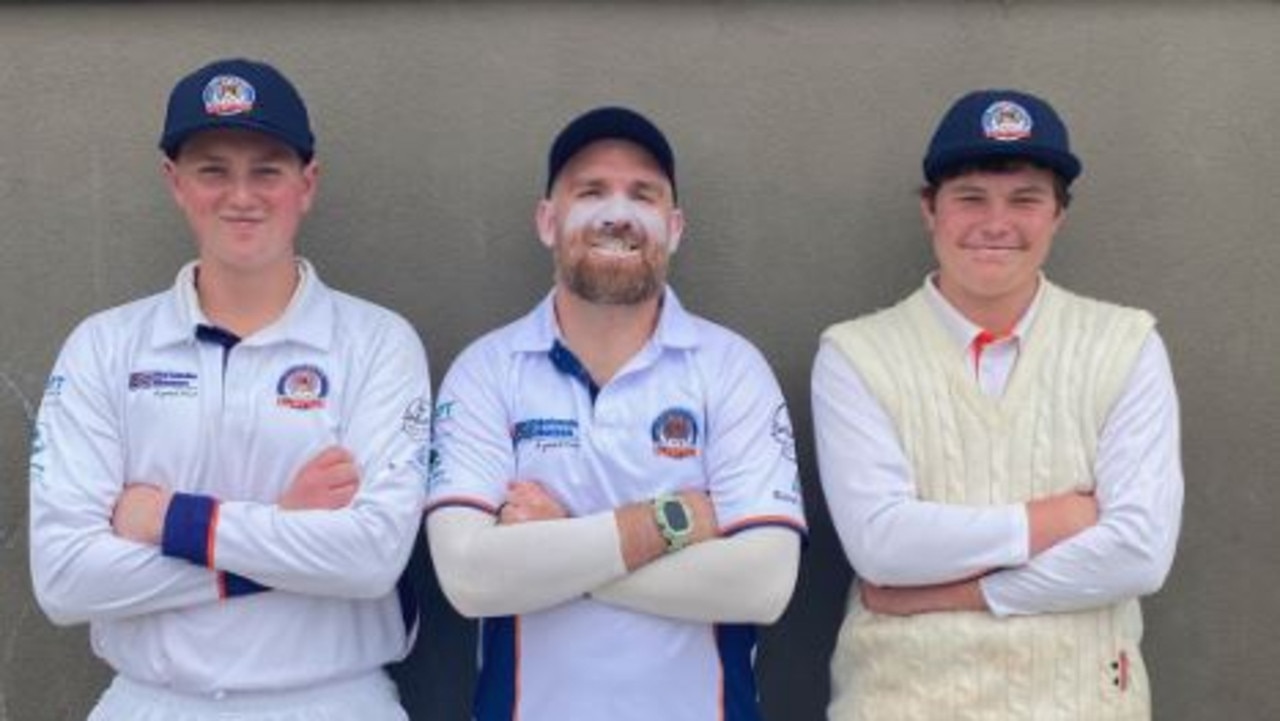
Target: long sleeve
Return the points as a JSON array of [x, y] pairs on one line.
[[358, 551], [490, 570], [748, 575], [744, 578], [1139, 491], [80, 570], [890, 536]]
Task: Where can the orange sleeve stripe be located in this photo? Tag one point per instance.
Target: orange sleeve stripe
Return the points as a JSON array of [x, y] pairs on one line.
[[211, 537], [774, 520]]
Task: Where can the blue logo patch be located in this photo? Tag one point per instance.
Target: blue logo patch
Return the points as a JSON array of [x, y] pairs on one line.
[[546, 433], [302, 388], [675, 433], [228, 95], [1006, 120]]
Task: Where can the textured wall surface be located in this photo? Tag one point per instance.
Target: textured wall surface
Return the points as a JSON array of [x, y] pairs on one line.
[[798, 128]]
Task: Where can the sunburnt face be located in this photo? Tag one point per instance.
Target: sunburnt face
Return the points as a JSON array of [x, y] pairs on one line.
[[611, 224], [991, 233], [244, 195]]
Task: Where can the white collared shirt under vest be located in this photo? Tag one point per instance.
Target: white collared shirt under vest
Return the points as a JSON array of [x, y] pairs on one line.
[[696, 408], [245, 597]]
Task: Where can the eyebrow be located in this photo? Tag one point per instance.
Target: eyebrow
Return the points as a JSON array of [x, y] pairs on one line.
[[1029, 188], [1036, 189], [645, 186]]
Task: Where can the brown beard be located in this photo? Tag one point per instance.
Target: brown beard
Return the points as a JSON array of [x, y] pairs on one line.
[[611, 283]]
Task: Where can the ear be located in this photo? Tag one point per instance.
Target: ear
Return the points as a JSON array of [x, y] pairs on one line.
[[927, 212], [545, 219], [310, 178], [675, 230], [173, 180]]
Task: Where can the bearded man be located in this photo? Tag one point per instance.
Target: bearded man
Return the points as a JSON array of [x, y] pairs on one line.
[[614, 488]]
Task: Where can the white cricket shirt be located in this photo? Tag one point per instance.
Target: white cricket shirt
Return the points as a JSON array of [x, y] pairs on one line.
[[696, 408], [258, 599]]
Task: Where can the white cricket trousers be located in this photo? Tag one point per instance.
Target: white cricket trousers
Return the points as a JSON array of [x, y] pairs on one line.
[[371, 697]]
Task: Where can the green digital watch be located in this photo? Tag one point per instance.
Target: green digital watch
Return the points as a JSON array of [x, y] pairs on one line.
[[675, 522]]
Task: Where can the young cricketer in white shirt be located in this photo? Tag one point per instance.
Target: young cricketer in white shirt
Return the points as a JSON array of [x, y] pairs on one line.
[[227, 477]]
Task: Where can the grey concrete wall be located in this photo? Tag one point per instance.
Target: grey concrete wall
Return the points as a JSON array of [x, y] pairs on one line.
[[798, 127]]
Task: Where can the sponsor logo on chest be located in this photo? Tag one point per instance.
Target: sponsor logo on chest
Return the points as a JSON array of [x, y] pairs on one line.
[[165, 384], [546, 433]]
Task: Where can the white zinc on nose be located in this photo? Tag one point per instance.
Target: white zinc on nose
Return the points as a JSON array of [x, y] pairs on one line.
[[619, 213]]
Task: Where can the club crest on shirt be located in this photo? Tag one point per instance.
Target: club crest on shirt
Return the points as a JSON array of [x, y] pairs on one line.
[[228, 95], [675, 433], [303, 388]]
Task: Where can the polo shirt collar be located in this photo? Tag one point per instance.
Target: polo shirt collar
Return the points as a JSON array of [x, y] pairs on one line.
[[539, 331], [308, 319], [962, 331]]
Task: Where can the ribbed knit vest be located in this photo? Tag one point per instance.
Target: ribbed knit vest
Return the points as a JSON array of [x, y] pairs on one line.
[[1038, 439]]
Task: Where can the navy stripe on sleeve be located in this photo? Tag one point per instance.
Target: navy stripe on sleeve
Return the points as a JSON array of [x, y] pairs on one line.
[[186, 527]]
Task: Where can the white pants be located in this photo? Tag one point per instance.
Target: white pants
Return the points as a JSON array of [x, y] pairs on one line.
[[371, 697]]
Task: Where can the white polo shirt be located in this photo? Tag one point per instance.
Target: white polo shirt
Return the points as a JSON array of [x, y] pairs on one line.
[[696, 408], [244, 596]]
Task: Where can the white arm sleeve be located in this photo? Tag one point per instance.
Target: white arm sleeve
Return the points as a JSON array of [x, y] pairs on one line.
[[1139, 490], [490, 570], [80, 570], [891, 537], [744, 578], [358, 551]]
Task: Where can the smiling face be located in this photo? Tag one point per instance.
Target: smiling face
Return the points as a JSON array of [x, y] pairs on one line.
[[244, 195], [611, 224], [992, 232]]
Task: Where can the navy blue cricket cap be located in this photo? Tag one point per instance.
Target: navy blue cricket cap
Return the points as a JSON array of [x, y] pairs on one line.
[[610, 122], [1000, 124], [237, 93]]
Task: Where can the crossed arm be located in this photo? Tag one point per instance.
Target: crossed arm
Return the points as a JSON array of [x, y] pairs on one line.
[[512, 548], [96, 544], [1050, 521], [326, 482], [532, 555], [1059, 553]]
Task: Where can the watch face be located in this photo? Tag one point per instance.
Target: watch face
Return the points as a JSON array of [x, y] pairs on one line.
[[677, 519]]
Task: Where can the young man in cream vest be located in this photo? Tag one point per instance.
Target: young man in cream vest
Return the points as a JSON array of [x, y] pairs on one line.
[[1000, 456]]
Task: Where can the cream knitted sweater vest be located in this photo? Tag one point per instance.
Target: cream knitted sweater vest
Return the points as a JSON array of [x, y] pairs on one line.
[[965, 448]]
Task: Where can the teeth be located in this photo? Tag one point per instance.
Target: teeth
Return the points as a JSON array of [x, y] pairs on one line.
[[614, 245]]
